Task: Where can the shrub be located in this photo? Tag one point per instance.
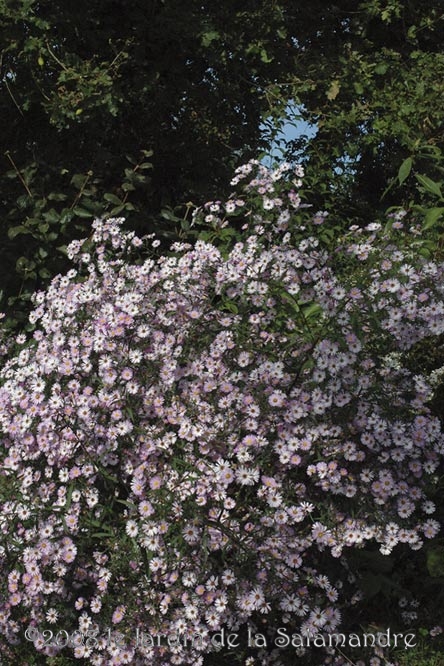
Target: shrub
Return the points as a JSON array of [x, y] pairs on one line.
[[193, 442]]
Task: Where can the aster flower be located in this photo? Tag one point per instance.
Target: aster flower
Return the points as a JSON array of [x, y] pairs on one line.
[[191, 403]]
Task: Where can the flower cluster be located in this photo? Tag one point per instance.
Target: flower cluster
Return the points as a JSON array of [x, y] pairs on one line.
[[188, 441]]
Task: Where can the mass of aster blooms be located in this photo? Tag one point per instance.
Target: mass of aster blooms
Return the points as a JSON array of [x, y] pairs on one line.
[[194, 441]]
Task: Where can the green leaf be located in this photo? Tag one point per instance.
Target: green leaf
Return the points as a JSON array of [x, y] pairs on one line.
[[118, 209], [112, 199], [209, 37], [265, 57], [312, 310], [23, 201], [431, 217], [130, 505], [102, 535], [24, 265], [78, 180], [381, 68], [69, 496], [128, 187], [57, 196], [429, 185], [327, 235], [82, 212], [66, 216], [404, 170], [230, 306], [15, 231], [51, 216], [435, 561], [169, 215], [334, 89]]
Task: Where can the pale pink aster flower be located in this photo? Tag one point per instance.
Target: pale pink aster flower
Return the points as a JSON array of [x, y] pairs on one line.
[[118, 614]]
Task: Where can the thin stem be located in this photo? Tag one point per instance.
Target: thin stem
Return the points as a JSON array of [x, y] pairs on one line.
[[17, 170], [13, 98], [53, 55], [80, 192]]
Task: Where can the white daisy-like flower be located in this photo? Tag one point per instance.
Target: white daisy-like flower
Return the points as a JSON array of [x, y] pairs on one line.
[[52, 615], [247, 476], [131, 528]]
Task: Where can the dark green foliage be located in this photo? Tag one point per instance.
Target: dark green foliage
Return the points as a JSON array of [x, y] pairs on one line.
[[87, 88], [371, 76]]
